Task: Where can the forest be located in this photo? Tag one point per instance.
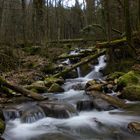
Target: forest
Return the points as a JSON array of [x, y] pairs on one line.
[[69, 69]]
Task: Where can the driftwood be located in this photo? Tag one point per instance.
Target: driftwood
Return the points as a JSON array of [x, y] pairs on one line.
[[83, 61], [21, 90], [112, 100]]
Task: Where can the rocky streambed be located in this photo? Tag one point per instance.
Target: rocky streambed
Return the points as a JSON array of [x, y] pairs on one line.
[[75, 113]]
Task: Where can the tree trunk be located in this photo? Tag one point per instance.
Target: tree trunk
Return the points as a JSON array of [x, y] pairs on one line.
[[24, 20], [128, 28], [139, 15], [21, 90]]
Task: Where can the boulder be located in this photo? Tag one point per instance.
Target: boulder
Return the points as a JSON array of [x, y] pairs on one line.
[[129, 78], [57, 109], [84, 105], [131, 93], [55, 88], [51, 80], [134, 127]]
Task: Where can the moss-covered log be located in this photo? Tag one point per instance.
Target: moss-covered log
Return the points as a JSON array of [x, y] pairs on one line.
[[21, 90], [80, 55], [83, 61], [65, 41], [112, 44]]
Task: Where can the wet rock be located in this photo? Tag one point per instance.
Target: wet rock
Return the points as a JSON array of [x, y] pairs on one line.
[[58, 110], [96, 87], [134, 127], [101, 104], [78, 86], [108, 88], [55, 88], [32, 114], [131, 93], [90, 83], [84, 105]]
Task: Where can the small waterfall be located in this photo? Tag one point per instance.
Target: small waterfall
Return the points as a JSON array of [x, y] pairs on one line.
[[96, 72], [11, 114], [32, 114], [79, 71]]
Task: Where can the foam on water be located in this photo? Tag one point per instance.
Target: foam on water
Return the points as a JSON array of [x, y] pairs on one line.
[[94, 120]]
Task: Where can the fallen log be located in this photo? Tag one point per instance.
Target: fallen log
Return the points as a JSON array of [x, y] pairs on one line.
[[112, 44], [112, 100], [83, 61], [81, 54], [69, 40], [21, 90]]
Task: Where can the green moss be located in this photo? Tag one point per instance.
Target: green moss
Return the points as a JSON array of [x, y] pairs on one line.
[[131, 93], [115, 75], [123, 65], [51, 80], [2, 126], [55, 88], [128, 79], [32, 50]]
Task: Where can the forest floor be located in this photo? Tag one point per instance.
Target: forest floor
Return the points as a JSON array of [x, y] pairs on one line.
[[33, 65]]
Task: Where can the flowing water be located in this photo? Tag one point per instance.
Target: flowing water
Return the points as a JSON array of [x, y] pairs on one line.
[[84, 125]]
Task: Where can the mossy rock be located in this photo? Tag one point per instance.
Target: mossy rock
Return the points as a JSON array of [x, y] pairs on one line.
[[128, 79], [38, 86], [51, 80], [131, 93], [2, 126], [114, 75], [55, 88]]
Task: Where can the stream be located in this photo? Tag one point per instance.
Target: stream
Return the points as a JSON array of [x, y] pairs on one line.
[[80, 125]]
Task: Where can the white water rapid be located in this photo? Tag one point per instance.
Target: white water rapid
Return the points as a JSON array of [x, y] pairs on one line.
[[86, 125]]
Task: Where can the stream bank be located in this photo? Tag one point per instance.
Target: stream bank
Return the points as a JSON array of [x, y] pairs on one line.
[[72, 114]]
